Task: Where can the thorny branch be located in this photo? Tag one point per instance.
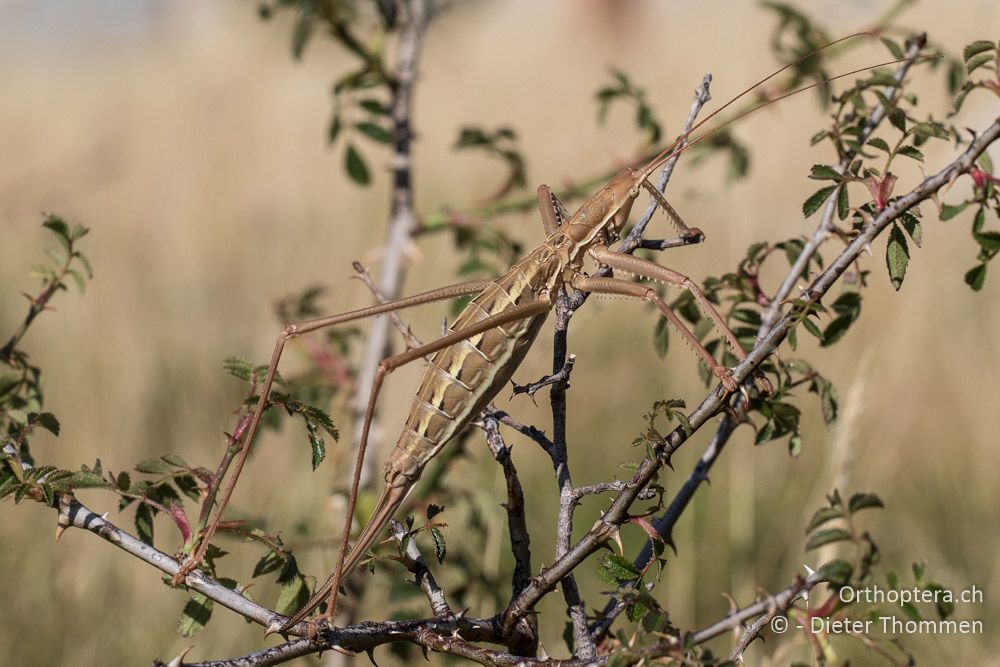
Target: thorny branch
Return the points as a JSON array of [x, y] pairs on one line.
[[458, 634], [617, 514], [665, 523]]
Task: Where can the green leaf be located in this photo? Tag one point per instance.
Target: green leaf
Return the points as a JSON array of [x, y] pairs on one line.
[[374, 107], [898, 119], [144, 523], [821, 516], [949, 211], [822, 172], [861, 501], [303, 28], [153, 467], [988, 241], [836, 572], [440, 549], [893, 47], [661, 337], [616, 570], [374, 131], [87, 480], [913, 227], [978, 61], [195, 616], [897, 256], [976, 277], [911, 152], [433, 510], [930, 130], [239, 367], [356, 167], [816, 199], [879, 144], [46, 420], [271, 562], [316, 444], [977, 47], [334, 130], [8, 382], [843, 203], [292, 597], [828, 536]]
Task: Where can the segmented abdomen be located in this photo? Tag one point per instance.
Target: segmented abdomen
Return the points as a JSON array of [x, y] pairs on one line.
[[461, 379]]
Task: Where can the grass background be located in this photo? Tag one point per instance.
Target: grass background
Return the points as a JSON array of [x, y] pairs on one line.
[[193, 145]]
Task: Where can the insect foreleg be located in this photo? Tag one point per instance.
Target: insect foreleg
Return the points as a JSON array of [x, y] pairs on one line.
[[290, 331], [638, 290], [693, 233], [649, 269]]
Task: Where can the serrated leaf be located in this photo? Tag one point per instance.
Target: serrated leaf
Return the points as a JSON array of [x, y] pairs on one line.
[[893, 47], [843, 203], [976, 277], [153, 467], [978, 61], [375, 132], [8, 382], [48, 421], [930, 130], [821, 516], [356, 167], [144, 523], [292, 597], [433, 510], [271, 562], [977, 47], [87, 480], [988, 241], [195, 616], [860, 501], [822, 172], [880, 144], [374, 107], [911, 152], [316, 444], [303, 28], [440, 549], [616, 570], [949, 211], [897, 257], [828, 536], [816, 199], [898, 119], [239, 367], [837, 572]]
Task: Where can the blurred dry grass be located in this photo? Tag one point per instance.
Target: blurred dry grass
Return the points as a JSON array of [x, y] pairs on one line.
[[193, 146]]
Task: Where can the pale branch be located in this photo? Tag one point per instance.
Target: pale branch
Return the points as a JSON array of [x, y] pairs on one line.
[[712, 404], [822, 232], [416, 564], [72, 513], [665, 523], [403, 220], [770, 606]]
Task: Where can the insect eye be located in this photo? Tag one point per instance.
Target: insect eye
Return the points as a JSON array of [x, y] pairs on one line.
[[633, 191]]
